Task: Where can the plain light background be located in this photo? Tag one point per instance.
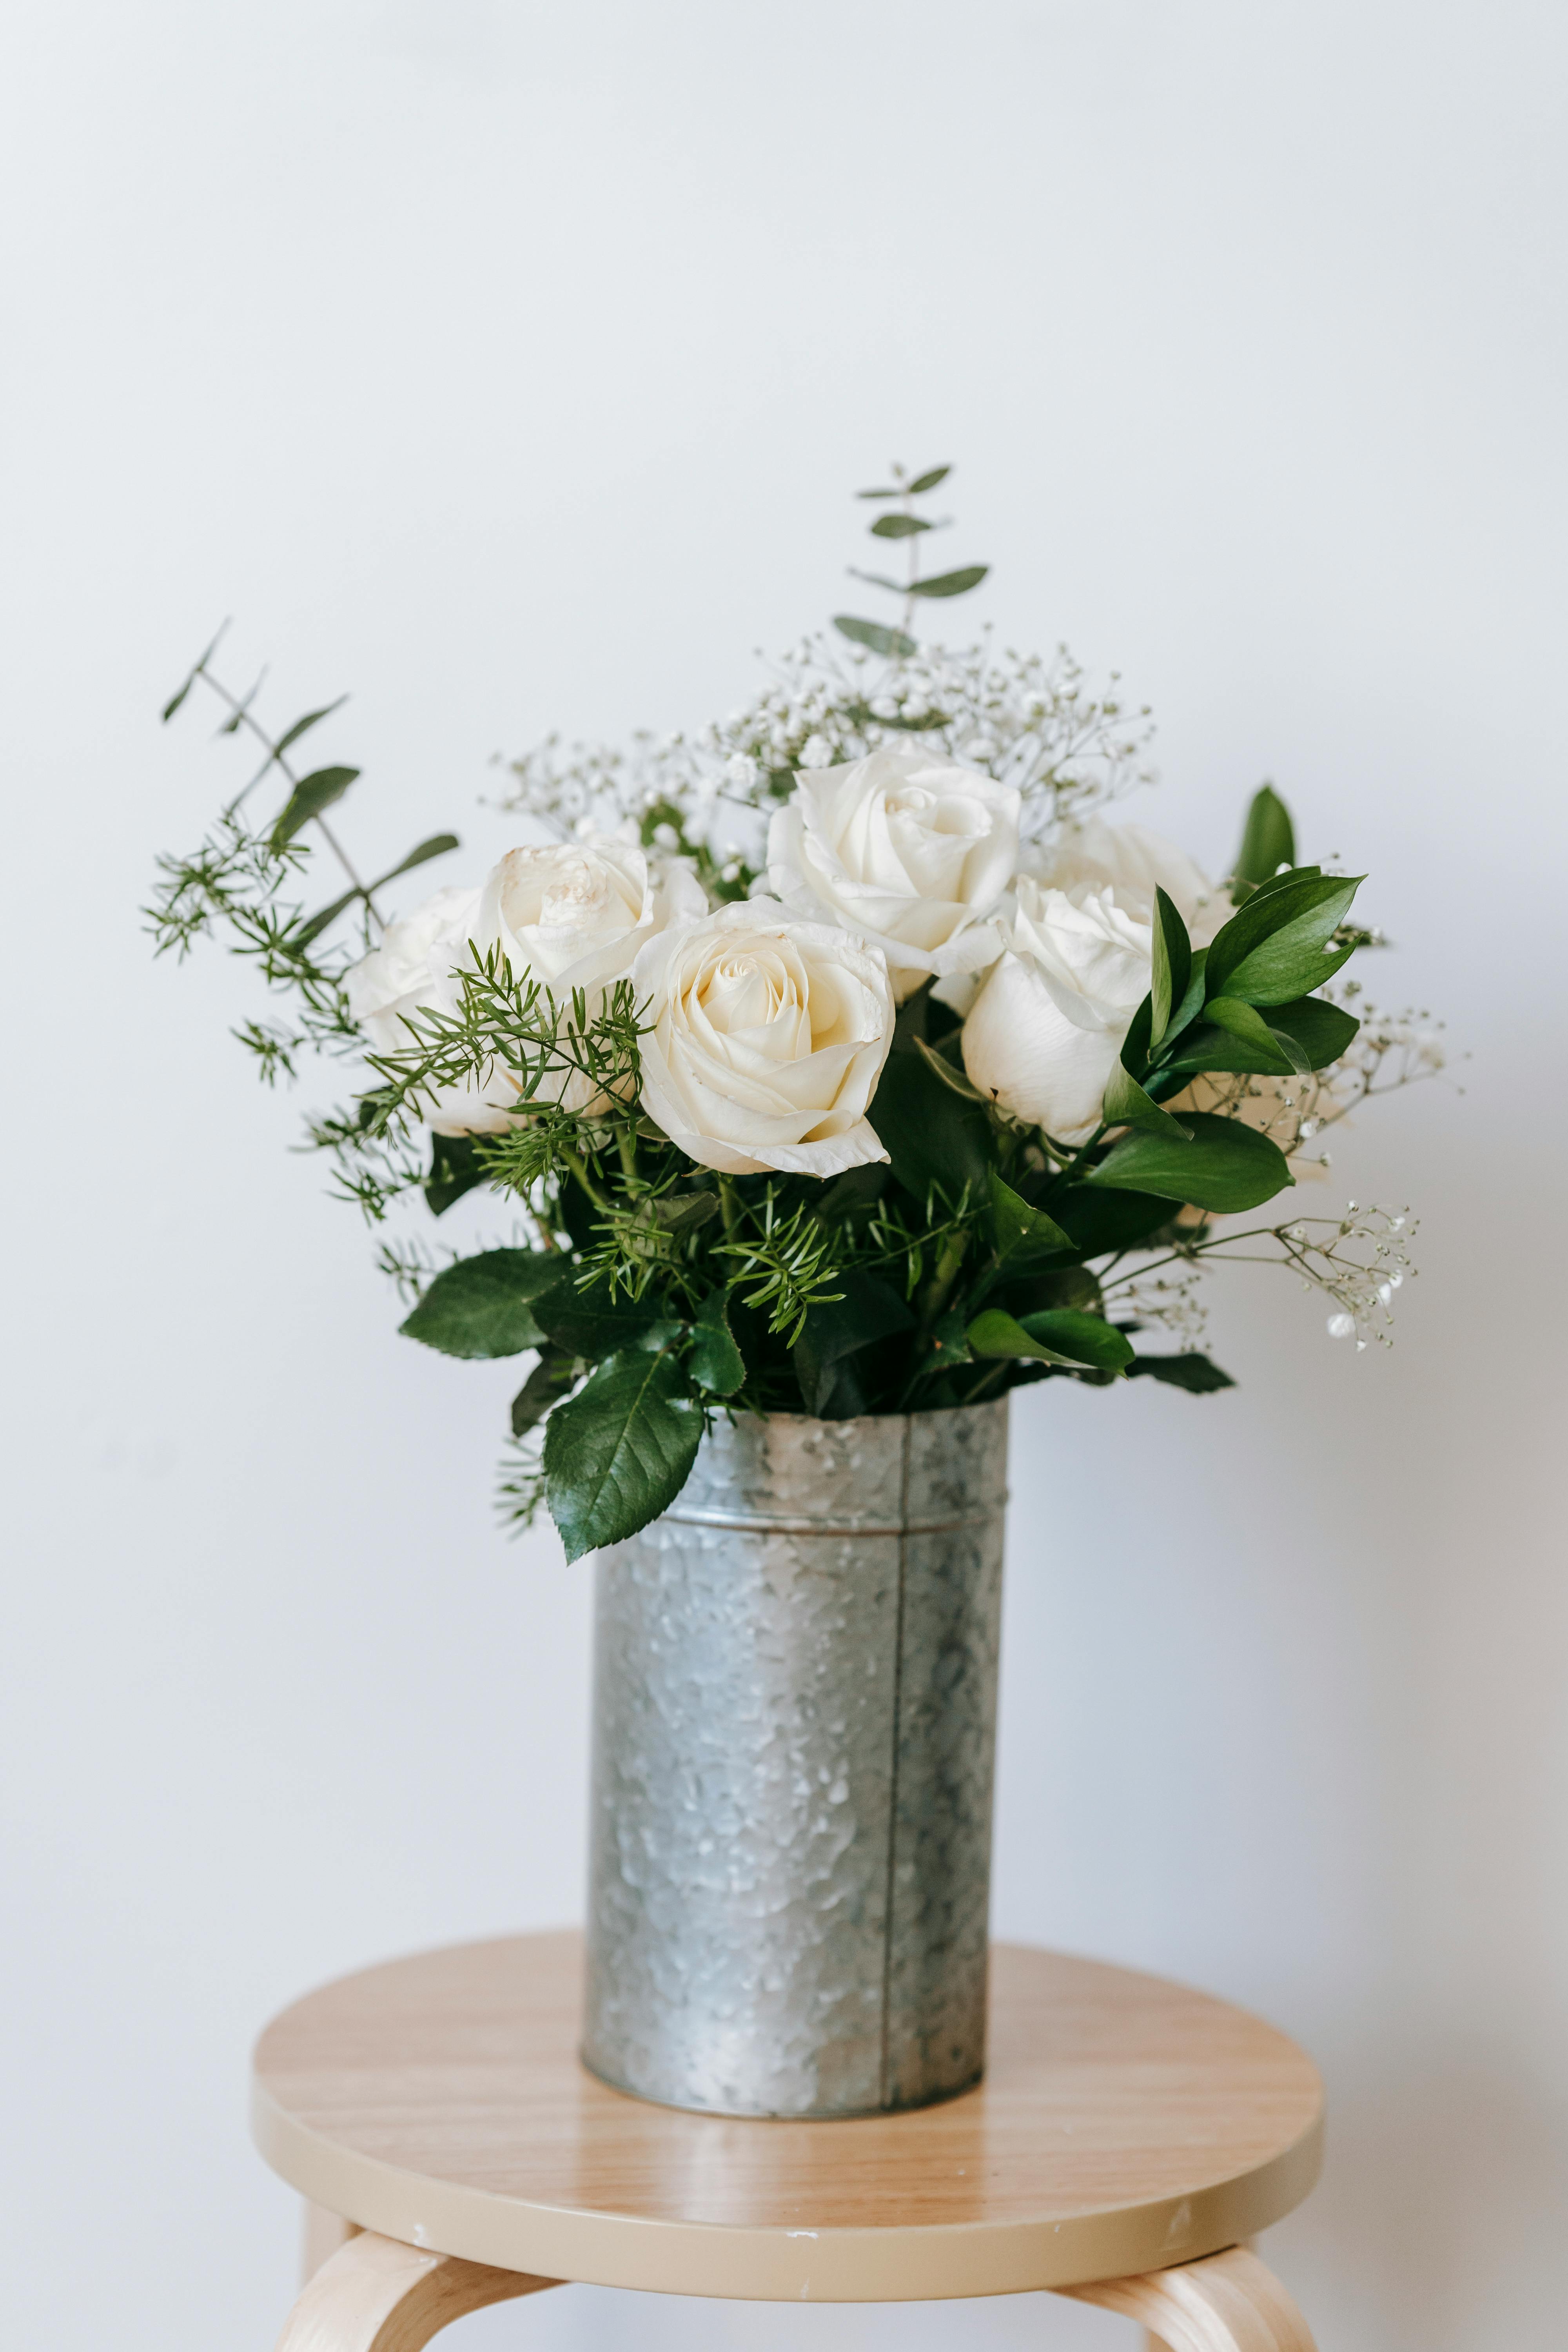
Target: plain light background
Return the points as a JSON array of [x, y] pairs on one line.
[[510, 365]]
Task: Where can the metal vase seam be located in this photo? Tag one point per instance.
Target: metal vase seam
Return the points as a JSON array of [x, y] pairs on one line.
[[795, 1716]]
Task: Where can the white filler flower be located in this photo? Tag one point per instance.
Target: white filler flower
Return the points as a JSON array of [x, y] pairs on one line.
[[907, 849], [767, 1039]]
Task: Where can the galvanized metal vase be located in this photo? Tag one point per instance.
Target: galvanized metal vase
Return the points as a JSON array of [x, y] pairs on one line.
[[795, 1716]]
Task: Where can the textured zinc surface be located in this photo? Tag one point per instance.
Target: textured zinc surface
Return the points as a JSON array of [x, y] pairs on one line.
[[794, 1724]]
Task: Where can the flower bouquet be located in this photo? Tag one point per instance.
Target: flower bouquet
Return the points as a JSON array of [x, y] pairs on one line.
[[841, 1064]]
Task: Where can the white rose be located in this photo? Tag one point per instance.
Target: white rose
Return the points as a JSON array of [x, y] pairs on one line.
[[768, 1036], [905, 848], [1133, 862], [574, 914], [1046, 1031], [411, 974]]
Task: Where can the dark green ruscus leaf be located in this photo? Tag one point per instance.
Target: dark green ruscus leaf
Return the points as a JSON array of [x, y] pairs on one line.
[[1226, 1165]]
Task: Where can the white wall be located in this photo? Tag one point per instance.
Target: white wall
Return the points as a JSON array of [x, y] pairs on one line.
[[509, 365]]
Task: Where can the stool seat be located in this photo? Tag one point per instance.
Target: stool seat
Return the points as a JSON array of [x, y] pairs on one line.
[[1125, 2125]]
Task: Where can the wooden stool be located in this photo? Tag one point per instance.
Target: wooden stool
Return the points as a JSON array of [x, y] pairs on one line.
[[1128, 2136]]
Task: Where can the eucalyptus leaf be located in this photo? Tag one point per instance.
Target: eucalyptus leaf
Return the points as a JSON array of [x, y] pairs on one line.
[[309, 797], [484, 1306], [1226, 1166], [873, 635], [314, 925], [923, 482], [620, 1451], [303, 726], [950, 583], [878, 580], [715, 1361], [436, 846], [899, 526]]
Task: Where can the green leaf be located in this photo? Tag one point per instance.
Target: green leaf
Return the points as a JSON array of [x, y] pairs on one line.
[[176, 699], [897, 526], [715, 1361], [856, 1190], [952, 1078], [950, 583], [604, 1328], [484, 1306], [1081, 1339], [1096, 1222], [870, 1309], [1247, 1024], [923, 482], [303, 726], [1021, 1232], [1226, 1166], [880, 640], [548, 1382], [931, 1136], [455, 1167], [314, 925], [1322, 1030], [878, 580], [895, 493], [1319, 1031], [436, 846], [682, 1213], [1058, 1335], [1125, 1104], [620, 1451], [1275, 947], [1173, 966], [1190, 1372], [310, 796], [1269, 840]]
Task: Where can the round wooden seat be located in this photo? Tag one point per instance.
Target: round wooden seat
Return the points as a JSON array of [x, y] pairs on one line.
[[1124, 2125]]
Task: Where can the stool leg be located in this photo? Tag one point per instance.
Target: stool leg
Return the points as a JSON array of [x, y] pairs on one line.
[[375, 2294], [324, 2233], [1225, 2302]]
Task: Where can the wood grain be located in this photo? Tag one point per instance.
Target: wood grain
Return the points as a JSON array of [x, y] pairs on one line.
[[374, 2296], [1125, 2124], [1227, 2303]]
